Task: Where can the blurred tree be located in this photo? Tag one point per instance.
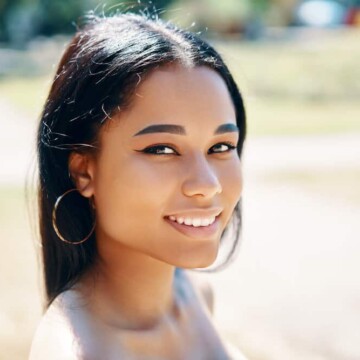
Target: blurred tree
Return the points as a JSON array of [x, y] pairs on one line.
[[57, 15], [20, 20]]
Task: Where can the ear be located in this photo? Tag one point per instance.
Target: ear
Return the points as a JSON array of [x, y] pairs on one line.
[[82, 171]]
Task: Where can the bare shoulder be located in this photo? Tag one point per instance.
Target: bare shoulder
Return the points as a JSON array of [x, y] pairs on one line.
[[54, 338], [203, 287]]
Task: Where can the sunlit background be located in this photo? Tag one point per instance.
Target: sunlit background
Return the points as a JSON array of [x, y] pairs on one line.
[[294, 291]]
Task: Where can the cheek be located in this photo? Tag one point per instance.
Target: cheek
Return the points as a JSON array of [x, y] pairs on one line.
[[232, 185], [232, 181], [130, 197]]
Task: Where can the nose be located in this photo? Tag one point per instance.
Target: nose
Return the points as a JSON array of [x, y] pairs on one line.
[[200, 178]]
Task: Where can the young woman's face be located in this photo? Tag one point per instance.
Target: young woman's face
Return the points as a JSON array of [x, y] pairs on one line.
[[170, 155]]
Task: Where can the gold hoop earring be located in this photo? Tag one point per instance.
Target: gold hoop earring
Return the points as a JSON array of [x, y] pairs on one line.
[[57, 229]]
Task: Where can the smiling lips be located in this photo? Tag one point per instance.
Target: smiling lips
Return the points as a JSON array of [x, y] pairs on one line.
[[196, 226], [193, 221], [196, 217]]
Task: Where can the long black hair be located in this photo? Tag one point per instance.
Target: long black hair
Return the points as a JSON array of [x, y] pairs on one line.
[[96, 77]]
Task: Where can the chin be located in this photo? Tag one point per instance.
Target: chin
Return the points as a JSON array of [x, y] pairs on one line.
[[200, 261], [204, 264]]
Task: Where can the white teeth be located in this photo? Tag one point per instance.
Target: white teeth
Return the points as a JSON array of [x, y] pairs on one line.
[[188, 221], [205, 222], [196, 222]]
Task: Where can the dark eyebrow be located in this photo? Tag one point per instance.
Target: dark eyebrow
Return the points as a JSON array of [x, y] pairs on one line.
[[180, 130], [162, 128], [225, 128]]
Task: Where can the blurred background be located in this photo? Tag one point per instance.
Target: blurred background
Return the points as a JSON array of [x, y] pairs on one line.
[[293, 292]]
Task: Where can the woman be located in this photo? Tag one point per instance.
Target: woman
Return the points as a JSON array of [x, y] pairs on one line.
[[139, 149]]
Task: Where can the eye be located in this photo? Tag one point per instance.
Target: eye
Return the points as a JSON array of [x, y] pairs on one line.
[[159, 150], [224, 147]]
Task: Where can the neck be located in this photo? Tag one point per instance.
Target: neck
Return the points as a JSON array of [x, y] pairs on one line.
[[130, 289]]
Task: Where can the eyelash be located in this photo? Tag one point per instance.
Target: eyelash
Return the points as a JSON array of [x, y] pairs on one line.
[[151, 150]]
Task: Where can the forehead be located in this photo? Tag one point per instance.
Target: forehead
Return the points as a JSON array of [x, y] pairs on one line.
[[190, 97]]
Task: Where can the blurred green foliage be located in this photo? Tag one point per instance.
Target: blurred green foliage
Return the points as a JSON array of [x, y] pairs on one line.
[[20, 20]]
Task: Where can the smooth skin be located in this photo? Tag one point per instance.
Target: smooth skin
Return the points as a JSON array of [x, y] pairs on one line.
[[134, 303]]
